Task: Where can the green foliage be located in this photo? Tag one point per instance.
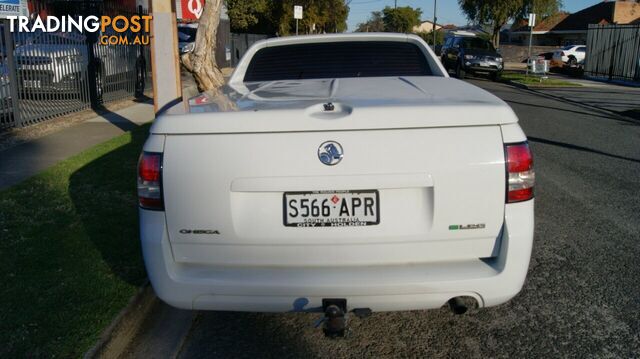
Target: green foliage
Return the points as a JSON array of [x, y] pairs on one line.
[[484, 36], [543, 8], [245, 14], [499, 12], [401, 19], [375, 23], [275, 17], [427, 36]]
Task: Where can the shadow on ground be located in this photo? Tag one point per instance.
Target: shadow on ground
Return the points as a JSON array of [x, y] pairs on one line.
[[70, 249], [246, 335], [104, 195]]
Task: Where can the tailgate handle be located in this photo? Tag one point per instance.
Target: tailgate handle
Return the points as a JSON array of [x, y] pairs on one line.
[[329, 110]]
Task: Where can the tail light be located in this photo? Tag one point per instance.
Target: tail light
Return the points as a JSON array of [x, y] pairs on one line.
[[150, 181], [521, 177]]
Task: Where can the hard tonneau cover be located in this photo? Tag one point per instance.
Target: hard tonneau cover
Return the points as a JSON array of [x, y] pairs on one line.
[[362, 103]]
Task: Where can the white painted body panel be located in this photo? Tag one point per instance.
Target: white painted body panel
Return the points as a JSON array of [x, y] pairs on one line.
[[380, 288], [428, 179], [432, 146]]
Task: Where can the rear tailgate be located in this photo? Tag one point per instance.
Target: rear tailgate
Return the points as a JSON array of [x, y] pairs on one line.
[[440, 195]]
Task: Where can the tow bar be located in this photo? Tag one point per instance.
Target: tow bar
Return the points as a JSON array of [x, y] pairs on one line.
[[335, 319]]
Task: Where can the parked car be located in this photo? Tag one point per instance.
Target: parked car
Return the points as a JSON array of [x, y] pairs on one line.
[[386, 185], [187, 37], [571, 55], [51, 62], [471, 54], [57, 63]]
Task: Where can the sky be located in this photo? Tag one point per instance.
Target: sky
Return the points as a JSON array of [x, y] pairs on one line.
[[448, 11]]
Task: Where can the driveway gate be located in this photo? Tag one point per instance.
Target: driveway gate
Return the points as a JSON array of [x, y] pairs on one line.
[[613, 52], [45, 75]]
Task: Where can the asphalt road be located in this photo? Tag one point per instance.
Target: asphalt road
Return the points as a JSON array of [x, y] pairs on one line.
[[582, 294]]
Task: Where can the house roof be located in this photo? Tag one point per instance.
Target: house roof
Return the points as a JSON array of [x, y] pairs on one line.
[[602, 13], [544, 25], [551, 21]]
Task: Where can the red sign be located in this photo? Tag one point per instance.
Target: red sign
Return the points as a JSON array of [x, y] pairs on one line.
[[189, 9]]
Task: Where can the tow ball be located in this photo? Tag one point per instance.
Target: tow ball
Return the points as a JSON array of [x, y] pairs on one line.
[[335, 319]]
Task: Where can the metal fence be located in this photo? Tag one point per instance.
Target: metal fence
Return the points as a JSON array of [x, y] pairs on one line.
[[240, 43], [613, 52], [122, 71], [45, 75]]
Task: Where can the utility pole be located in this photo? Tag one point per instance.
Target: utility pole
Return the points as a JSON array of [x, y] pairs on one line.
[[435, 18], [395, 4], [532, 23], [167, 85]]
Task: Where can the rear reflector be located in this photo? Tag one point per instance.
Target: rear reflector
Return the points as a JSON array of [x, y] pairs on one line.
[[150, 181], [521, 177]]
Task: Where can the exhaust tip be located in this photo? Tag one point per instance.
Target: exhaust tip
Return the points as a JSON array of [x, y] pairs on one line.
[[461, 305]]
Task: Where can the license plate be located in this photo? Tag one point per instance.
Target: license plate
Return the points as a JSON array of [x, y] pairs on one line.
[[331, 208], [32, 83]]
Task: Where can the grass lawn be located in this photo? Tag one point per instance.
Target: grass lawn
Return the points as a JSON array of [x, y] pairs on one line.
[[535, 80], [70, 253]]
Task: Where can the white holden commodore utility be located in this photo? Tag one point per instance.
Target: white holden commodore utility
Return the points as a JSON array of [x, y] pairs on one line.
[[338, 173]]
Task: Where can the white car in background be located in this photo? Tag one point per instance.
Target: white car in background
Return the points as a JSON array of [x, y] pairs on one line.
[[338, 173], [571, 55]]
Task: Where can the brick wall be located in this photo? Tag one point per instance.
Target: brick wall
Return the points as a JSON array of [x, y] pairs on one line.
[[517, 53]]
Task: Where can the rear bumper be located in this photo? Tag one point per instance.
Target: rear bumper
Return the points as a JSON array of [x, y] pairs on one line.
[[380, 288]]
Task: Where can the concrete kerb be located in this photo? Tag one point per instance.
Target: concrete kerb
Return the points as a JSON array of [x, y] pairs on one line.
[[115, 339]]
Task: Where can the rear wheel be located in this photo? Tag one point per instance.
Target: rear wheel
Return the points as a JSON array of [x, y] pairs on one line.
[[573, 62], [99, 85], [460, 73]]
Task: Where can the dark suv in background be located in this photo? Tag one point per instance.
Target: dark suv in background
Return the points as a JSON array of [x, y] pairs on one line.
[[471, 54]]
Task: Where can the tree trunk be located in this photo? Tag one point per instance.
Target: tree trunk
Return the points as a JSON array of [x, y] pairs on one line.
[[201, 62], [495, 37]]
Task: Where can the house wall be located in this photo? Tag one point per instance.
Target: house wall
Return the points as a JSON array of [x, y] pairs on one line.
[[519, 53], [626, 12]]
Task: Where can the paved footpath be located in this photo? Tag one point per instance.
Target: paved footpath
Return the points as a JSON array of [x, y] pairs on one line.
[[27, 159]]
